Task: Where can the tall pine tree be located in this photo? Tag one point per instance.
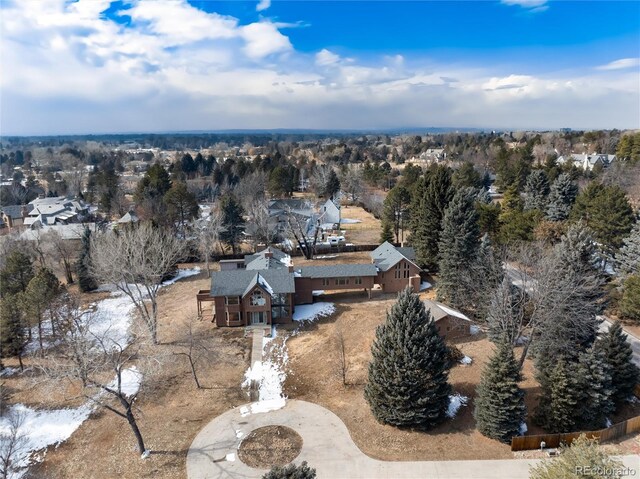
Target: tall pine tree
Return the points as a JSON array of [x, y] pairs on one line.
[[232, 221], [561, 198], [16, 274], [408, 374], [430, 198], [459, 244], [85, 280], [628, 258], [536, 191], [12, 328], [594, 390], [619, 355], [556, 410], [499, 404]]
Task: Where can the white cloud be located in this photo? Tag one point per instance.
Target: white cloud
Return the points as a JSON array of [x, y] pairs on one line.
[[263, 5], [533, 6], [68, 69], [264, 39], [621, 64], [325, 57]]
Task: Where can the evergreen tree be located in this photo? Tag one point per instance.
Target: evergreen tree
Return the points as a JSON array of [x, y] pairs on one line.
[[387, 233], [628, 257], [232, 221], [536, 191], [594, 390], [619, 355], [43, 288], [458, 247], [561, 198], [12, 330], [408, 374], [182, 206], [556, 410], [466, 177], [292, 471], [85, 280], [430, 198], [332, 187], [149, 195], [16, 274], [607, 211], [499, 404], [630, 302]]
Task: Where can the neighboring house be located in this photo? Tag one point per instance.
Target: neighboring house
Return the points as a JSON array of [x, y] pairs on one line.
[[280, 211], [587, 162], [72, 231], [263, 288], [451, 324], [431, 155], [13, 216], [128, 218], [56, 210], [330, 212], [397, 268]]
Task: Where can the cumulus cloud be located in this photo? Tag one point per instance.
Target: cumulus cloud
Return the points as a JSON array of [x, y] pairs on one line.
[[325, 57], [621, 64], [68, 68], [263, 5]]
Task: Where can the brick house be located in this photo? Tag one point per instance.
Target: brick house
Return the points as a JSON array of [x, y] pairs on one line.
[[451, 324], [396, 268], [263, 288]]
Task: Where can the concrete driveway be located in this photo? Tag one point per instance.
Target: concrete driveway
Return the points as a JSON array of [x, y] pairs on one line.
[[329, 449]]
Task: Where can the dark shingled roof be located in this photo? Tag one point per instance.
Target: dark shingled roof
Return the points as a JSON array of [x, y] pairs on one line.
[[260, 261], [235, 283], [386, 255], [15, 211], [337, 271]]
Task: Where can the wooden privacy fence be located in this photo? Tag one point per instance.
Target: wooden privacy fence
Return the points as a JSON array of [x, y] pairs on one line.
[[522, 443]]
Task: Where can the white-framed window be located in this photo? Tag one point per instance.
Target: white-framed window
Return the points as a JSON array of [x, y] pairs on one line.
[[232, 300], [325, 281], [257, 298], [357, 280]]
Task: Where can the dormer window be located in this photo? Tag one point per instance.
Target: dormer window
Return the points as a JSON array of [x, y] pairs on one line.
[[257, 298]]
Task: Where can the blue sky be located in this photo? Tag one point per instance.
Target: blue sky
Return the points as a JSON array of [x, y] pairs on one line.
[[92, 66]]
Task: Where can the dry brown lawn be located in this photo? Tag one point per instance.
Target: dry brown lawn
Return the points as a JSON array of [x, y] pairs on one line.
[[170, 412], [365, 232], [321, 382]]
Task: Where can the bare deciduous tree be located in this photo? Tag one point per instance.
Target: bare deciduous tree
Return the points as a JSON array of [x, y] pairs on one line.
[[264, 226], [62, 250], [208, 230], [298, 229], [194, 348], [136, 261], [342, 356], [90, 352], [12, 444]]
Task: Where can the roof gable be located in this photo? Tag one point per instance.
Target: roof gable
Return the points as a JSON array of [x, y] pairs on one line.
[[387, 256]]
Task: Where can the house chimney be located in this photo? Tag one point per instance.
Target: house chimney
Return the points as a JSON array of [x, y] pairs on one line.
[[268, 254], [290, 268]]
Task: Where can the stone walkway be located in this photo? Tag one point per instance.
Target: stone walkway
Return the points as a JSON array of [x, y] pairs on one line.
[[329, 449]]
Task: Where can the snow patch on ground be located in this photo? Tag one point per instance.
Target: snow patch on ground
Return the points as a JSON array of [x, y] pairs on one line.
[[230, 457], [182, 273], [9, 371], [41, 429], [349, 221], [608, 423], [311, 312], [270, 375], [425, 285], [456, 401], [317, 292], [111, 318], [327, 256], [131, 379], [466, 360], [475, 329], [523, 428]]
